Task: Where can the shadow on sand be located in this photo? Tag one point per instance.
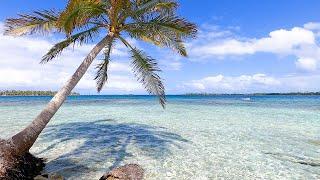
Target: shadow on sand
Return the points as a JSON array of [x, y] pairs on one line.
[[104, 145]]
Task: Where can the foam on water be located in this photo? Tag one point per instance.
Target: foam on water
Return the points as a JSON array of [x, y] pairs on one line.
[[269, 137]]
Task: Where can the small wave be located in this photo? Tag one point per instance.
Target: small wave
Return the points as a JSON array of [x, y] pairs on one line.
[[246, 99]]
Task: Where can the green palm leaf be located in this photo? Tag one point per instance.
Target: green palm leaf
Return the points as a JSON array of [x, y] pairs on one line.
[[169, 23], [147, 7], [78, 13], [82, 37], [165, 31], [38, 22], [145, 68], [102, 73]]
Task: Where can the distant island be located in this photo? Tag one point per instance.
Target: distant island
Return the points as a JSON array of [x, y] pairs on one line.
[[52, 93], [31, 93], [257, 94]]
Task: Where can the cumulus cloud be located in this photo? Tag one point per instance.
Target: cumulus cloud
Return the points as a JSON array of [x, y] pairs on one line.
[[174, 66], [308, 64], [241, 83], [170, 61], [312, 25], [253, 83], [20, 68], [300, 42]]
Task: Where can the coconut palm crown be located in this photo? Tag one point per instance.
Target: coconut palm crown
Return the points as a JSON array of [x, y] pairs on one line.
[[84, 21]]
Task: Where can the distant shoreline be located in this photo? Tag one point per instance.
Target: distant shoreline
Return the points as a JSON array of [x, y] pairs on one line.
[[257, 94], [31, 93], [189, 94]]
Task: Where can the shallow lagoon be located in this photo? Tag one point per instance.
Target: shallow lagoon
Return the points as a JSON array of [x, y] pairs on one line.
[[216, 137]]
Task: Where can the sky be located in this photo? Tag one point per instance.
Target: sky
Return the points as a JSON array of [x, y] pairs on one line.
[[243, 46]]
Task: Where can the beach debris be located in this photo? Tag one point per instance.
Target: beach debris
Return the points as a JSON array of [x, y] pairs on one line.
[[126, 172]]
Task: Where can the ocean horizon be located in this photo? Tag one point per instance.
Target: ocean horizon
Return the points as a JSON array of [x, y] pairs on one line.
[[195, 137]]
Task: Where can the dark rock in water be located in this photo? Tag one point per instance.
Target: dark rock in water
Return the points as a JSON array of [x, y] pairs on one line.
[[53, 176], [126, 172], [40, 177]]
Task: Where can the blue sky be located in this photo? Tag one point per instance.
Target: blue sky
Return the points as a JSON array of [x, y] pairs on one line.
[[242, 47]]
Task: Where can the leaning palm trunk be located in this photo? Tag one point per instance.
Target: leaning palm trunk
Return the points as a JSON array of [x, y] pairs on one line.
[[24, 140], [20, 143]]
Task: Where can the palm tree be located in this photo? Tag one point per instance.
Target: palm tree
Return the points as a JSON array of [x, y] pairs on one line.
[[84, 21]]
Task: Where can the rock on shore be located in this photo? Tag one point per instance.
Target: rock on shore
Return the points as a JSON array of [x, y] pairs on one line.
[[126, 172]]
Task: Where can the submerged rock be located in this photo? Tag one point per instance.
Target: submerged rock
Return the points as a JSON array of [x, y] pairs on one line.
[[126, 172], [41, 177], [53, 176]]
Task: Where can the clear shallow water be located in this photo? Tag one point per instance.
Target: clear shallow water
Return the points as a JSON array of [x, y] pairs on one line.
[[224, 137]]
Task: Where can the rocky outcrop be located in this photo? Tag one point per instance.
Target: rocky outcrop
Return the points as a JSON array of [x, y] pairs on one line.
[[126, 172], [53, 176]]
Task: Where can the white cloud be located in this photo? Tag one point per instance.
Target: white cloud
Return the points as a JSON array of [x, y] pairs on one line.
[[227, 47], [312, 26], [116, 84], [284, 41], [117, 67], [307, 64], [20, 68], [241, 83], [300, 42], [174, 66], [253, 83], [301, 83]]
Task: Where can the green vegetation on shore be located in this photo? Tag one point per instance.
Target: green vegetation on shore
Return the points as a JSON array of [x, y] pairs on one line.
[[256, 94], [31, 93]]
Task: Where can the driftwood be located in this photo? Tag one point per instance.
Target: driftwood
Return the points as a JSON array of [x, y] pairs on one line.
[[126, 172]]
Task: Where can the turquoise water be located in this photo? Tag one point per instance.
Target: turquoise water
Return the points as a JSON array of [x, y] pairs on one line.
[[220, 137]]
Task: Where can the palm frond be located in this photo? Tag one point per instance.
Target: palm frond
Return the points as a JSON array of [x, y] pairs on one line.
[[102, 74], [147, 7], [117, 10], [78, 13], [38, 22], [168, 31], [169, 23], [82, 37], [145, 68], [166, 7], [102, 68], [161, 38]]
